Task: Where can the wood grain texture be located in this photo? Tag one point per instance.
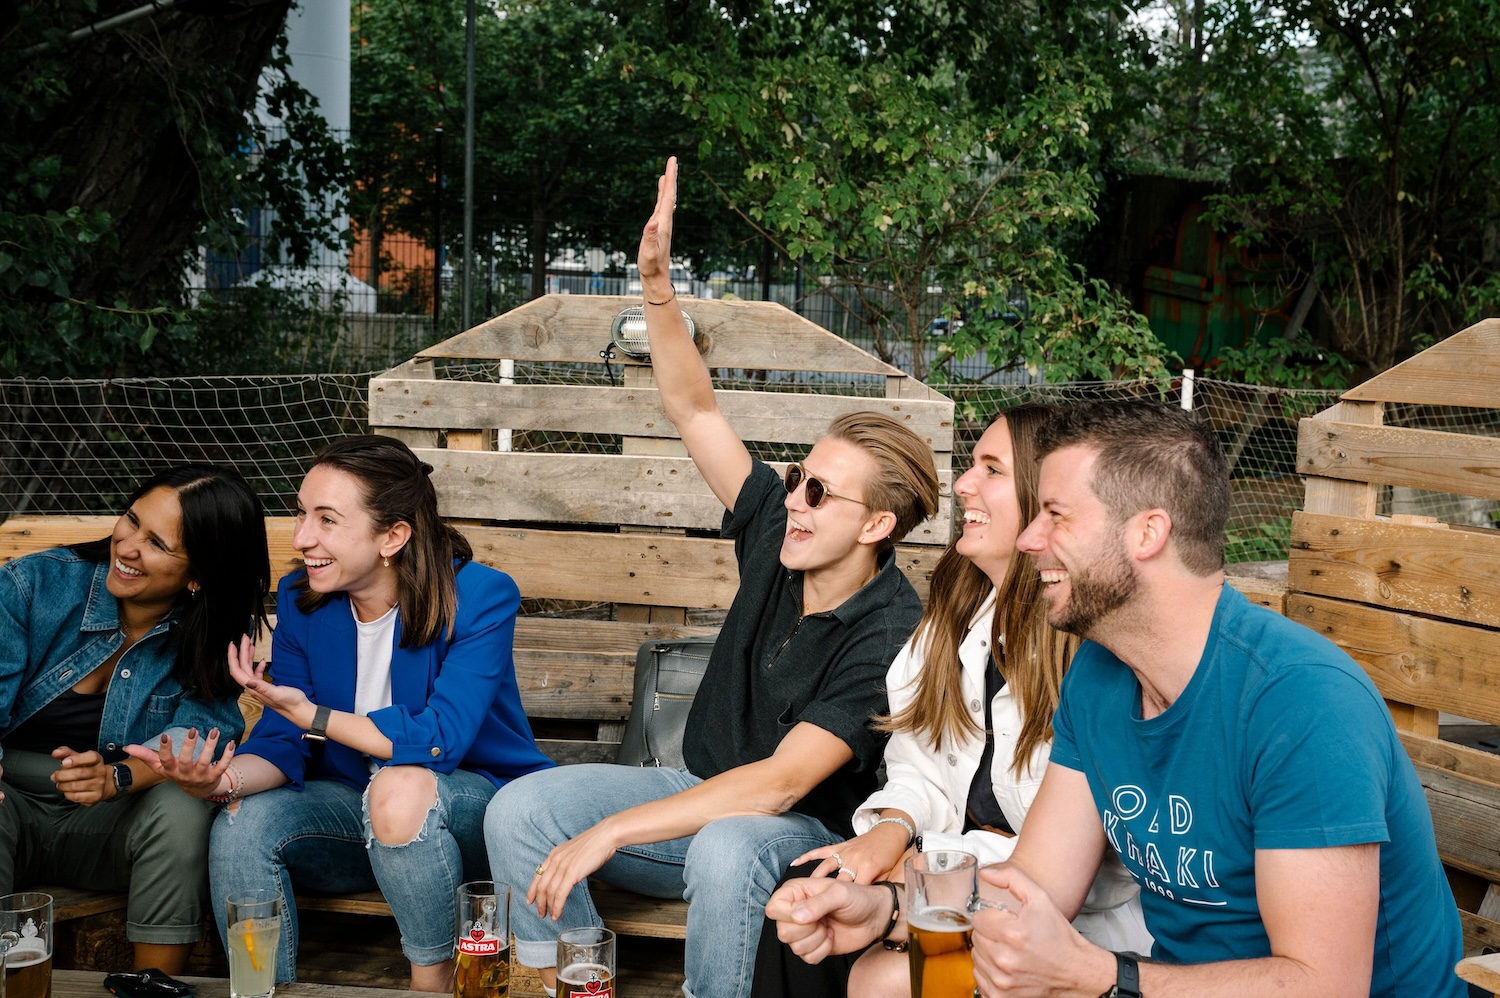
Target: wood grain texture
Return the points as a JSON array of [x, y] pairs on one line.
[[1452, 573], [1465, 814], [1261, 592], [654, 569], [616, 490], [1392, 455], [1462, 370], [1483, 971], [1413, 660], [1329, 495], [777, 417], [1460, 759], [736, 334]]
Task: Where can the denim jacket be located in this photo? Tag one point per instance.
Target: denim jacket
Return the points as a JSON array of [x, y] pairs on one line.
[[58, 623]]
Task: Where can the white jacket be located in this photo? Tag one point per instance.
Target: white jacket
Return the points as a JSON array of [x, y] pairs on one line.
[[933, 787]]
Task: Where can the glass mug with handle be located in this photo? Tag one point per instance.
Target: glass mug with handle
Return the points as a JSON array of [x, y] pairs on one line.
[[940, 890], [586, 963], [483, 963], [26, 939]]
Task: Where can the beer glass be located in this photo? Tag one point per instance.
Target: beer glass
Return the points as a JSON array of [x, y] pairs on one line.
[[254, 935], [940, 885], [586, 963], [483, 969], [26, 932]]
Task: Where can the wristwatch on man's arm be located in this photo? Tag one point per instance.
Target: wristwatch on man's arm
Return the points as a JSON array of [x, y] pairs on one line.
[[124, 778], [1127, 977]]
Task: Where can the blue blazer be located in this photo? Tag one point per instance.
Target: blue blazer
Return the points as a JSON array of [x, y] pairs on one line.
[[454, 703]]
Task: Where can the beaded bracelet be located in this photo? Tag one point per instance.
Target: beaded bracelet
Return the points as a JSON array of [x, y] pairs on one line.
[[911, 833], [885, 937]]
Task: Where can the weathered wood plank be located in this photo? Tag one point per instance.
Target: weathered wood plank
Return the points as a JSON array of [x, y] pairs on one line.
[[69, 903], [1462, 370], [90, 984], [548, 564], [1481, 971], [1460, 759], [1465, 814], [1392, 455], [612, 490], [777, 417], [658, 570], [1413, 660], [1261, 592], [567, 752], [1329, 495], [24, 534], [1453, 573], [637, 915], [737, 334]]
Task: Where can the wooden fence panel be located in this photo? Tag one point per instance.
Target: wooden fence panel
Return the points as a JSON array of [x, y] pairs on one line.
[[1390, 455]]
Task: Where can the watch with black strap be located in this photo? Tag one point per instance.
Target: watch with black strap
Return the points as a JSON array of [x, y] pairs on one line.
[[1127, 977], [124, 779], [319, 730]]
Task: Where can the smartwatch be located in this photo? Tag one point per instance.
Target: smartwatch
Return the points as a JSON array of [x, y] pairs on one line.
[[124, 778], [319, 730], [1127, 977]]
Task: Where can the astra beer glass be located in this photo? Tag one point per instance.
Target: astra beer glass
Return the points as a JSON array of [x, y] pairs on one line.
[[586, 963], [483, 969], [940, 886]]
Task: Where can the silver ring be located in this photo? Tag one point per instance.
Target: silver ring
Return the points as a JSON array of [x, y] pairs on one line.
[[845, 869], [839, 860]]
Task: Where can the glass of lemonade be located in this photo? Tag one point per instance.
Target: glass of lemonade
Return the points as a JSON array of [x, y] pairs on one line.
[[940, 886], [254, 935], [586, 963], [483, 966], [26, 935]]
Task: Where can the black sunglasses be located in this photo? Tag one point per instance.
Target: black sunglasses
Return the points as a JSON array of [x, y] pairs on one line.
[[816, 490]]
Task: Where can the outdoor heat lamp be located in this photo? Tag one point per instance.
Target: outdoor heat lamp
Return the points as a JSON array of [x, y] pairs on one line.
[[627, 333]]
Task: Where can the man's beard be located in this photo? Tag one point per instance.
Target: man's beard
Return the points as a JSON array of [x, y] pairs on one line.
[[1105, 586]]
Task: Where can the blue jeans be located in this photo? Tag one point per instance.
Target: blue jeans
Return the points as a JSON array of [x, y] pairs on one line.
[[320, 838], [726, 872]]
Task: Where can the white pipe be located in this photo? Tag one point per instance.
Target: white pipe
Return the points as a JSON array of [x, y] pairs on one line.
[[507, 377], [1187, 388], [108, 24]]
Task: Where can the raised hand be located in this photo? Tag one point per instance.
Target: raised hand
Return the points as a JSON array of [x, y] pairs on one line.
[[194, 771], [655, 255]]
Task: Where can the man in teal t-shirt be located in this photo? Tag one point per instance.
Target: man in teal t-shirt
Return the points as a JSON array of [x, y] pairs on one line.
[[1246, 770]]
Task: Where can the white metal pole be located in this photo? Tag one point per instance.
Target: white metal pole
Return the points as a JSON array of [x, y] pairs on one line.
[[1187, 388]]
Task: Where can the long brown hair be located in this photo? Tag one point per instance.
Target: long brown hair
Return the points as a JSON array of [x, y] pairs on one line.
[[395, 487], [1035, 655]]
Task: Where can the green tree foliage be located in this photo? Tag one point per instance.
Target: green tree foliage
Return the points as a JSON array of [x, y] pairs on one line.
[[887, 170], [1353, 135], [124, 152]]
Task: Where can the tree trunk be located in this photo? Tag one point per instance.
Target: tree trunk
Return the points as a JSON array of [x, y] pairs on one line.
[[538, 247], [152, 104]]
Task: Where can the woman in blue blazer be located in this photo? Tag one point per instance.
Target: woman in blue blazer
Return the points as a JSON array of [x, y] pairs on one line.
[[393, 717]]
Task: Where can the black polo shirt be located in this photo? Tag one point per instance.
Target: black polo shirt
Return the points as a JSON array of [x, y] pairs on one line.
[[771, 668]]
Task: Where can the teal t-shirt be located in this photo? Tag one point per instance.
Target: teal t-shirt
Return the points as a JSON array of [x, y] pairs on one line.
[[1279, 741]]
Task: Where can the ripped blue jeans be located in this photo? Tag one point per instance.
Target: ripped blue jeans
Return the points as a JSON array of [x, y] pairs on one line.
[[318, 839]]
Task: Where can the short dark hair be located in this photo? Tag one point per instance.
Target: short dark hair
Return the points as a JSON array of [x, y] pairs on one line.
[[1153, 455], [224, 538], [395, 487]]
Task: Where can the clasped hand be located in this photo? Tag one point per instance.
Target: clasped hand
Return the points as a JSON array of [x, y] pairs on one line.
[[85, 778]]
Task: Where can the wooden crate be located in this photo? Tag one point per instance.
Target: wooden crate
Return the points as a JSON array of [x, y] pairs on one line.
[[624, 521], [1414, 600]]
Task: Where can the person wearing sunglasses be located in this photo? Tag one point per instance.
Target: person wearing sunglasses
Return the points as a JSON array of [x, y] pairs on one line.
[[780, 744]]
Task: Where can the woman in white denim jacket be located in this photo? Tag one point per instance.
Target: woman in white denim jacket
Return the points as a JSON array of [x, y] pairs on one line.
[[937, 721]]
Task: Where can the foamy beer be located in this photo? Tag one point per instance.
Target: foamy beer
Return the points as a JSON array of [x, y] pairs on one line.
[[483, 969], [939, 888], [26, 935], [586, 963]]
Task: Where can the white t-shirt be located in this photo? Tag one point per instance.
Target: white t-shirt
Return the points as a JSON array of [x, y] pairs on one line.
[[372, 669]]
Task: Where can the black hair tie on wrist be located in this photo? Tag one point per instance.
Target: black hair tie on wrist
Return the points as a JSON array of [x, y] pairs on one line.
[[885, 937]]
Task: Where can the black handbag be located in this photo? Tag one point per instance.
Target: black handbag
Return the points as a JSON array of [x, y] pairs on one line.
[[667, 674]]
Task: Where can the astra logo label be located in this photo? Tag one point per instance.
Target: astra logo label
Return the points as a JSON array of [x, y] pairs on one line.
[[1169, 865]]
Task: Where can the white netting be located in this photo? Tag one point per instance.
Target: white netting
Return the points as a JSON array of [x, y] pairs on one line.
[[79, 446]]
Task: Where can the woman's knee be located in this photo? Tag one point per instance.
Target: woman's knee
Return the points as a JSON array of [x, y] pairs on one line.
[[398, 801], [880, 972]]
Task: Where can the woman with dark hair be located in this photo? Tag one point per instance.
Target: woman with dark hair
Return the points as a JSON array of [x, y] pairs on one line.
[[393, 718], [116, 641]]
